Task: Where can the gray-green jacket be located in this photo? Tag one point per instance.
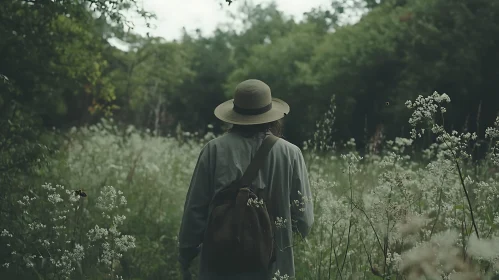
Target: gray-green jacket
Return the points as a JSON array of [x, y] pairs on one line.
[[225, 159]]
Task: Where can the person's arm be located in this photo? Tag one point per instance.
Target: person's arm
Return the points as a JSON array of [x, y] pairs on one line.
[[302, 208], [195, 210]]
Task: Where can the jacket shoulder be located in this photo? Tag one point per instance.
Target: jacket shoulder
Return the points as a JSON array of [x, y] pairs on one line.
[[282, 145], [218, 140], [288, 146]]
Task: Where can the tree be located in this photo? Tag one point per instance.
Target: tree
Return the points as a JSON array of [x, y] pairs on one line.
[[148, 80], [282, 61], [52, 53], [398, 52]]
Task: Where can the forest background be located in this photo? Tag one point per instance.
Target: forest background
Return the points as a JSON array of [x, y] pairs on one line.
[[63, 85]]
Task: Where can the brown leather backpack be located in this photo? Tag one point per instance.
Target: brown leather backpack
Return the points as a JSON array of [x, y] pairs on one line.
[[239, 236]]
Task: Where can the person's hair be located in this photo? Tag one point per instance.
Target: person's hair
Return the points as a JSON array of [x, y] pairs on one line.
[[250, 130]]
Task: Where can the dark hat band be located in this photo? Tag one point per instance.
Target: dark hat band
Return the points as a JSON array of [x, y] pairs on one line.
[[257, 111]]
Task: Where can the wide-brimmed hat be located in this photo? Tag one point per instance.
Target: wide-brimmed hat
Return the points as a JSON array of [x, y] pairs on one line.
[[252, 104]]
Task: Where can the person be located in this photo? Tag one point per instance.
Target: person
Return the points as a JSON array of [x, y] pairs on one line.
[[254, 114]]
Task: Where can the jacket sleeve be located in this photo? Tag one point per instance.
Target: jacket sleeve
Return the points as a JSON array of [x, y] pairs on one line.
[[302, 208], [195, 209]]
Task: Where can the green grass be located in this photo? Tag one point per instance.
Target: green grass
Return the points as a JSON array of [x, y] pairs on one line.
[[381, 214]]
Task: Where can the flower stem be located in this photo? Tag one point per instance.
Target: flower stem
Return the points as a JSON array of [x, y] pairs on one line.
[[467, 198]]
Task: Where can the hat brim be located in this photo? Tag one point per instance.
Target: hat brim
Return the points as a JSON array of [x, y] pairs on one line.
[[225, 113]]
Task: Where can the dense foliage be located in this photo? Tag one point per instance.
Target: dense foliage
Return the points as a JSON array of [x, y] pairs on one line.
[[56, 58], [97, 144]]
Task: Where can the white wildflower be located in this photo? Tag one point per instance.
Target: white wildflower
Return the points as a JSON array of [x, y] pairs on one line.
[[281, 222], [5, 233], [255, 202], [487, 249]]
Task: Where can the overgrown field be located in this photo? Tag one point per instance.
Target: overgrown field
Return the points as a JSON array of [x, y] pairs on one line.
[[398, 213]]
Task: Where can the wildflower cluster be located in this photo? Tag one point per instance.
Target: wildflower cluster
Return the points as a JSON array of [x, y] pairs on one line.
[[111, 241], [277, 276], [492, 133], [322, 139], [300, 204], [281, 222], [255, 202], [53, 224], [153, 172], [388, 216], [424, 110]]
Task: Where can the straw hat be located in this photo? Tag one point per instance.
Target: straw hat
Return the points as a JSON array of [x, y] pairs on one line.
[[252, 104]]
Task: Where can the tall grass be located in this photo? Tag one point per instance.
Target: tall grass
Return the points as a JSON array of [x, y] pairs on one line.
[[150, 174], [385, 215]]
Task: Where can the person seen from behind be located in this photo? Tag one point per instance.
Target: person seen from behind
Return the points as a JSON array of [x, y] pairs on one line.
[[249, 191]]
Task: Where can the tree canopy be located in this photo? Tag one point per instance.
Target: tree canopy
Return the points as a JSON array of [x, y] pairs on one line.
[[60, 67]]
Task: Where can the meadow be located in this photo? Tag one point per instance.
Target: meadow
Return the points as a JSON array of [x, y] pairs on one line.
[[108, 205], [98, 141]]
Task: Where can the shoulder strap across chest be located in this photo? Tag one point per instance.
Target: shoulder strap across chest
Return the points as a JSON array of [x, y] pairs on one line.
[[259, 159]]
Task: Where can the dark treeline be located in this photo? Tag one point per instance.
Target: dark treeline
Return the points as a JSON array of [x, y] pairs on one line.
[[58, 69]]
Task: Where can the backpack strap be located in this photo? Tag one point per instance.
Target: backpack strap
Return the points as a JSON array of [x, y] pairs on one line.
[[250, 174], [259, 159]]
